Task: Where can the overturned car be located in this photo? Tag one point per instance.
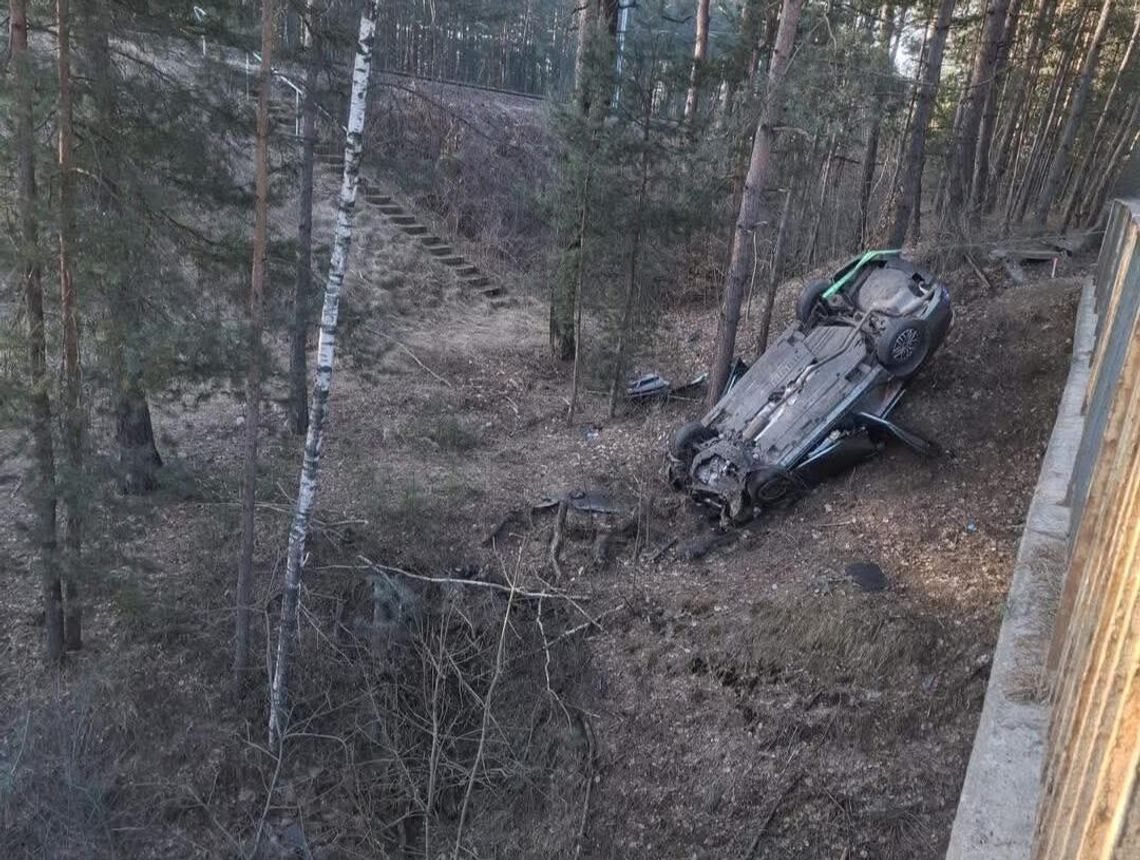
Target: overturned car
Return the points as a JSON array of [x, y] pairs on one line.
[[818, 400]]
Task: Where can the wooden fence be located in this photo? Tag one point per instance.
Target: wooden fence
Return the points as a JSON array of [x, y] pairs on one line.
[[1089, 805]]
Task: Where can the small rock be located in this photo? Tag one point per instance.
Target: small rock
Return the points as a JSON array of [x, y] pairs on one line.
[[867, 575]]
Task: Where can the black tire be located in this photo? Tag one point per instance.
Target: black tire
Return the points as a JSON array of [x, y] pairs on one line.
[[809, 299], [687, 438], [767, 487], [903, 346]]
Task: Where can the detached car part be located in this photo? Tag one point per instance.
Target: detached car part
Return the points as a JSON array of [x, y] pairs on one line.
[[817, 401]]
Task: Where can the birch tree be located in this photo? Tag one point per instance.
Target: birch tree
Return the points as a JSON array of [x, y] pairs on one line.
[[41, 488], [751, 201], [253, 372], [326, 349]]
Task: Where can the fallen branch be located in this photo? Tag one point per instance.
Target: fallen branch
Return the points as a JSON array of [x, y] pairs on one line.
[[590, 752], [413, 357], [556, 538], [767, 820], [447, 580], [981, 275], [486, 718]]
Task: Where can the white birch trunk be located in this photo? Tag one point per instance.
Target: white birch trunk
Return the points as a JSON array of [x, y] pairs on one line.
[[326, 347]]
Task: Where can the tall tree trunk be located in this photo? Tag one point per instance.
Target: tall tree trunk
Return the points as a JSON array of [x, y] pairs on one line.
[[72, 406], [139, 459], [626, 323], [243, 594], [910, 187], [765, 322], [1022, 179], [981, 176], [1125, 140], [302, 286], [751, 201], [593, 90], [1080, 179], [1060, 162], [871, 152], [41, 488], [700, 48], [1018, 110], [973, 104], [326, 352]]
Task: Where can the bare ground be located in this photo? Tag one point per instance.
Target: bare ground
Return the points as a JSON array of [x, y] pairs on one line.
[[746, 702]]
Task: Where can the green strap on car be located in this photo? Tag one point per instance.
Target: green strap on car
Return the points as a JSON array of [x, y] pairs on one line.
[[862, 261]]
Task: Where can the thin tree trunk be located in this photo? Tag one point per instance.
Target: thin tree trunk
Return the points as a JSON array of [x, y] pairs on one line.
[[765, 322], [871, 151], [139, 460], [981, 175], [751, 201], [1021, 181], [1082, 175], [973, 104], [1125, 140], [302, 286], [243, 596], [700, 49], [72, 406], [41, 489], [1019, 110], [825, 185], [910, 189], [1068, 137], [326, 352], [579, 273], [634, 251]]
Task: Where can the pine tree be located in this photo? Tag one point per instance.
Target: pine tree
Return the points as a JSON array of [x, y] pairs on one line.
[[751, 201], [42, 486]]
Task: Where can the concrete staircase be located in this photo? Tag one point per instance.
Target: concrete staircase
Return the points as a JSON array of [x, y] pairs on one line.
[[469, 275]]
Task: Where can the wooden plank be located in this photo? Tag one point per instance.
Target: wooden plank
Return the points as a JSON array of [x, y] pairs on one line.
[[1089, 806]]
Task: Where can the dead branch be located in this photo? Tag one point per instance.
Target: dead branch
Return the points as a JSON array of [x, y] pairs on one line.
[[486, 713], [556, 538], [981, 275], [767, 820], [412, 356], [584, 822], [446, 580]]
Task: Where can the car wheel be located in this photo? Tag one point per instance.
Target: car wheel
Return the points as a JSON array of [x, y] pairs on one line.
[[903, 346], [809, 299], [767, 487], [688, 438]]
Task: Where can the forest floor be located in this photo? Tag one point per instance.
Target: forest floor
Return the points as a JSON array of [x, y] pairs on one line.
[[746, 699]]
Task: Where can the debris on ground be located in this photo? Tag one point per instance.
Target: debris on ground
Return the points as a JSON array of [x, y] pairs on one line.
[[867, 575]]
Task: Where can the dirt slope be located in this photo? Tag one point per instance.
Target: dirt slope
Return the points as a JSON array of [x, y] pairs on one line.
[[745, 702]]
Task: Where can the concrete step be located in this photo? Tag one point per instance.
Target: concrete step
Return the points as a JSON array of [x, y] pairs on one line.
[[467, 271], [492, 291], [377, 199], [413, 229], [430, 241], [401, 220], [477, 281], [453, 260], [391, 208], [439, 250]]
